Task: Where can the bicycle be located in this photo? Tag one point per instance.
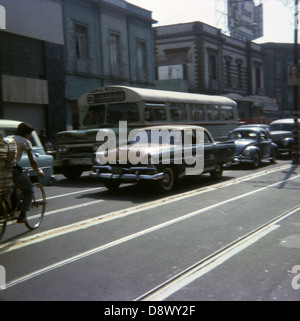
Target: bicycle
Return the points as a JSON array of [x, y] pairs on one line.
[[10, 205]]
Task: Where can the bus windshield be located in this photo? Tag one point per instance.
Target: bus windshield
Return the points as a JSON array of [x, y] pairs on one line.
[[94, 116]]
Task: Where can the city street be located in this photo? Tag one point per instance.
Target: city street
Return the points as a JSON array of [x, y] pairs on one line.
[[234, 239]]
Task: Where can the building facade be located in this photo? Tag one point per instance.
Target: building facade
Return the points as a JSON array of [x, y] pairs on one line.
[[207, 61], [32, 64], [53, 51], [278, 57], [106, 43]]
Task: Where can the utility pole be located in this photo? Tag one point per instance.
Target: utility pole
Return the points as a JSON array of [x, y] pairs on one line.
[[296, 132]]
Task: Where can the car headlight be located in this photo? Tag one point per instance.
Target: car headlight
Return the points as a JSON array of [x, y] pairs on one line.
[[246, 151], [62, 149]]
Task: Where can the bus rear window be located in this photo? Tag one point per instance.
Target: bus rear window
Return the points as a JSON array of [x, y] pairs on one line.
[[125, 111], [213, 112], [178, 114], [227, 113], [197, 112]]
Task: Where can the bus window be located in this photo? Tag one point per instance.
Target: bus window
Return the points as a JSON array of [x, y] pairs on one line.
[[213, 112], [197, 112], [178, 114], [155, 112], [126, 111], [94, 116], [227, 113]]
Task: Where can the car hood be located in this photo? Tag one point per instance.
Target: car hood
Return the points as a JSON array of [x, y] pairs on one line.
[[136, 152], [280, 134], [241, 144]]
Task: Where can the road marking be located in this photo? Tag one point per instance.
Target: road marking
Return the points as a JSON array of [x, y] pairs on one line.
[[209, 263], [39, 237], [142, 233], [77, 192], [177, 283]]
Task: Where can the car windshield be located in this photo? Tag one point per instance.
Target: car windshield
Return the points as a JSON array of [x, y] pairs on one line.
[[242, 134], [280, 126]]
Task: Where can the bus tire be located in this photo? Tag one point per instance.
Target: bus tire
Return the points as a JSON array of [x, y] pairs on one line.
[[112, 185]]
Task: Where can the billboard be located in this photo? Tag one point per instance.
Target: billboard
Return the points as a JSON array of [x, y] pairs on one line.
[[245, 19]]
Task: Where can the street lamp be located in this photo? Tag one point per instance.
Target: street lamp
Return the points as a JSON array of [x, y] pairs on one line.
[[296, 148]]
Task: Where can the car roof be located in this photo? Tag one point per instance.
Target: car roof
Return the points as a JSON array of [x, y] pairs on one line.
[[171, 127], [284, 120], [5, 123], [255, 129]]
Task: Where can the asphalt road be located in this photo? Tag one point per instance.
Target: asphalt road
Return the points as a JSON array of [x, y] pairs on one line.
[[236, 239]]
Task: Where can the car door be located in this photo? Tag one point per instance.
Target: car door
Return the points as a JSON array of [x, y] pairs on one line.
[[264, 144]]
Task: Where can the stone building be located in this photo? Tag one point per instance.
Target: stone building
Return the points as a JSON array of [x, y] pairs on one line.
[[197, 57]]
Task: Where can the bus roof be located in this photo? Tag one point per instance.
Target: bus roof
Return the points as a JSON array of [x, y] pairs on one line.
[[153, 95]]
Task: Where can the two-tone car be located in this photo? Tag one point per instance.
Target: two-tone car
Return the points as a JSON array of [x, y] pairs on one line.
[[163, 155], [45, 162], [253, 144]]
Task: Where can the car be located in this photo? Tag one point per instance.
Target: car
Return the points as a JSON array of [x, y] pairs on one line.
[[265, 126], [160, 150], [281, 131], [253, 144], [45, 162]]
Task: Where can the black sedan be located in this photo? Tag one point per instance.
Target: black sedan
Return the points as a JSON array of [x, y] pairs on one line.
[[253, 144]]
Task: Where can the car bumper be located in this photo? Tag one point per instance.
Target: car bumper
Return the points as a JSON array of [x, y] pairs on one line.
[[242, 159], [132, 174]]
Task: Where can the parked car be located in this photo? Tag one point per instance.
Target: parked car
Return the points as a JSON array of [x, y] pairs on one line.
[[253, 144], [154, 168], [281, 131], [45, 162], [264, 126]]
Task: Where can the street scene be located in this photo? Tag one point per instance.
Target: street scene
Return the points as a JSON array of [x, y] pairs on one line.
[[149, 156], [237, 239]]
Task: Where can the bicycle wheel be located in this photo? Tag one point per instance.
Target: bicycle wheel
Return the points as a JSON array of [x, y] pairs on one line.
[[3, 217], [35, 216]]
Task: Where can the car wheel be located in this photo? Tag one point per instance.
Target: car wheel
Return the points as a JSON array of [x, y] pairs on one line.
[[256, 160], [168, 181], [273, 155], [112, 185], [217, 172]]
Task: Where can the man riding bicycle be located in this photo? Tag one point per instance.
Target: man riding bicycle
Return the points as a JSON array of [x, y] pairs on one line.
[[20, 178]]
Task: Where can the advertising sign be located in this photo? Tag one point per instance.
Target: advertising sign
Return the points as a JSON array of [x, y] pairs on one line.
[[245, 19]]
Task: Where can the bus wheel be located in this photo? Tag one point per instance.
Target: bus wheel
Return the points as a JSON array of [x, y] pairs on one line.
[[168, 181], [72, 173]]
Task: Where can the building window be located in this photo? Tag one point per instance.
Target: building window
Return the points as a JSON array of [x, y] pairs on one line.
[[141, 61], [239, 75], [212, 63], [258, 84], [115, 54], [81, 48], [228, 73]]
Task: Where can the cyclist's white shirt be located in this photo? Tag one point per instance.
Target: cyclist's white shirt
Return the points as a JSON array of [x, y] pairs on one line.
[[23, 145]]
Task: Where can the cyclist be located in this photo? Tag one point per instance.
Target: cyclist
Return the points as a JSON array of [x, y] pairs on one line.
[[20, 178]]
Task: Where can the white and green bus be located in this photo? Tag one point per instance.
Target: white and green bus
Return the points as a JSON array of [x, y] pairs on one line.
[[105, 107]]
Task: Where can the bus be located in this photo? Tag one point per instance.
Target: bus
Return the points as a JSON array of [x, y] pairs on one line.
[[105, 107]]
